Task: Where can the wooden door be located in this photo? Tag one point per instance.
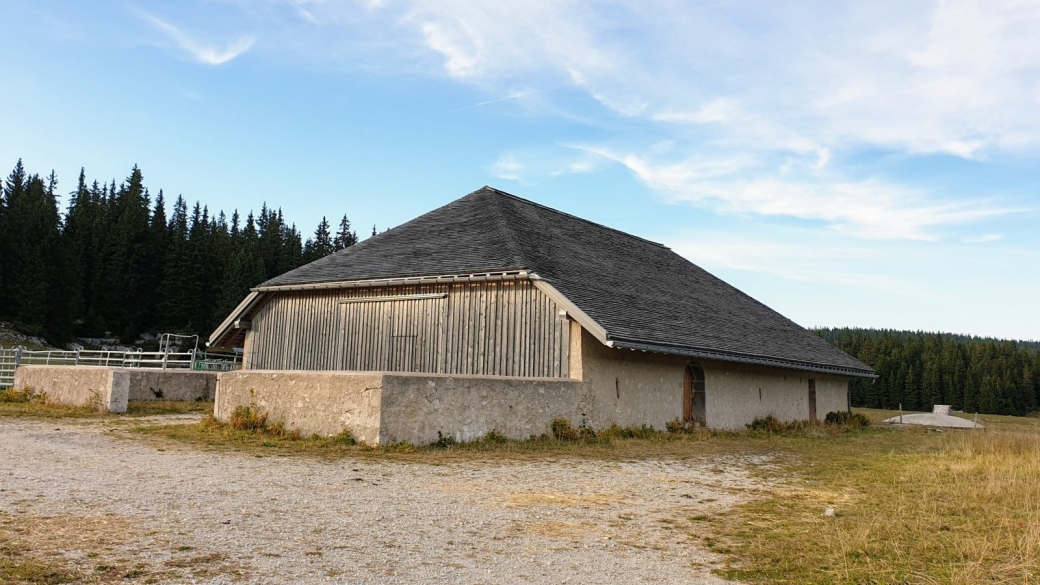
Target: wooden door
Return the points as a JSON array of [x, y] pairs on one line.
[[694, 396], [687, 397], [812, 399]]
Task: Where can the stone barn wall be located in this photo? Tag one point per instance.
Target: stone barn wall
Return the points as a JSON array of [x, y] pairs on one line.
[[634, 387]]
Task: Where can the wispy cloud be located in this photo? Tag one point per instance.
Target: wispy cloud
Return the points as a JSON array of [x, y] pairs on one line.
[[983, 239], [527, 166], [199, 51], [508, 167], [762, 105], [804, 262], [872, 209]]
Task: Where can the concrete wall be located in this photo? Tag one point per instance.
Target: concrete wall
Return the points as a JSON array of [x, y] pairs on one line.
[[383, 407], [315, 403], [608, 386], [629, 388], [156, 384], [110, 388], [418, 406], [632, 388], [104, 389]]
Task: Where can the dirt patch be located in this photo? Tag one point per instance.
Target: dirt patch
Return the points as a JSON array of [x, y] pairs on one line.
[[112, 507]]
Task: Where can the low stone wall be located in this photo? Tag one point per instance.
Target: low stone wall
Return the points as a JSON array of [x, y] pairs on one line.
[[156, 384], [110, 388], [105, 389], [416, 407], [314, 403], [381, 408]]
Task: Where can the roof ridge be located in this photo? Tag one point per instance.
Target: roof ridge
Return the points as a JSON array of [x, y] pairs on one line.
[[508, 234], [568, 215]]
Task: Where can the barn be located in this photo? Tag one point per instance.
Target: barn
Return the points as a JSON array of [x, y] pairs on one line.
[[496, 313]]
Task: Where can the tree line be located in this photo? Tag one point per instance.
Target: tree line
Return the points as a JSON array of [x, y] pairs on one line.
[[114, 263], [919, 370]]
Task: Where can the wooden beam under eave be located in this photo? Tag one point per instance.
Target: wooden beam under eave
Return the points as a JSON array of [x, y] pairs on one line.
[[573, 311]]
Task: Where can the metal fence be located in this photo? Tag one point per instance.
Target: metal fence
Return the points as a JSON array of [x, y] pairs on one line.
[[10, 359]]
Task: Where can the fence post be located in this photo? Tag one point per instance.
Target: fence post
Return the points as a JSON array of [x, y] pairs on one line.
[[165, 358], [17, 357]]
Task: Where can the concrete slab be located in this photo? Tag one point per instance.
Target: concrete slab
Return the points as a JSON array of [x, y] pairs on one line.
[[934, 420]]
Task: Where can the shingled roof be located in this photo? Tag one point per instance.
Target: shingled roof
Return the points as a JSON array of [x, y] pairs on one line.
[[641, 294]]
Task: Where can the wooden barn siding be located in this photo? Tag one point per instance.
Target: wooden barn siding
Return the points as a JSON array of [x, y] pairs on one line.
[[498, 328]]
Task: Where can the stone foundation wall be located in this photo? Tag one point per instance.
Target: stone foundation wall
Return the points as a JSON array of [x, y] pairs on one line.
[[416, 407], [314, 403], [381, 407]]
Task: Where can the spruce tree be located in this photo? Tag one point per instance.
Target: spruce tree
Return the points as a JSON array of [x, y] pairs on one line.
[[344, 237]]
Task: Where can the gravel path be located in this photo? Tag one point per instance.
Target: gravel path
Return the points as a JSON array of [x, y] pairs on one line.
[[183, 515]]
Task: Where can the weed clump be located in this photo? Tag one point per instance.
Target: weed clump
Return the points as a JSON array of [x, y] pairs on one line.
[[618, 432], [24, 396], [563, 431], [678, 427], [834, 421], [248, 418], [443, 441], [345, 437], [253, 420], [848, 420], [493, 436], [768, 424]]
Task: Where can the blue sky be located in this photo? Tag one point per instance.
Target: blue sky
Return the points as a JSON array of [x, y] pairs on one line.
[[860, 164]]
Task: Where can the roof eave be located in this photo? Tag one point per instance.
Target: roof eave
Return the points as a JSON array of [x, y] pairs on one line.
[[228, 324], [739, 358], [486, 276]]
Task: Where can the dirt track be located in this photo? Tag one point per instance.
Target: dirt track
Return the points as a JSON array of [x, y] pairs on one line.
[[115, 507]]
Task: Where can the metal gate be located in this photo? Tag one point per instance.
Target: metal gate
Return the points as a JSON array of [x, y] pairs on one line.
[[10, 359]]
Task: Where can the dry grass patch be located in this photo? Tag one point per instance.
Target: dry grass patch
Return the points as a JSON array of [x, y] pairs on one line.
[[524, 500], [911, 506], [38, 407], [214, 435], [41, 549], [557, 529], [103, 548]]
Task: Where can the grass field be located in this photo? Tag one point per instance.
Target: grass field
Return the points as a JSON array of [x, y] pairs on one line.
[[910, 505]]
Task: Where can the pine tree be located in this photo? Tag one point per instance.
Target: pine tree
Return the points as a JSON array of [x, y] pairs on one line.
[[344, 237], [322, 244]]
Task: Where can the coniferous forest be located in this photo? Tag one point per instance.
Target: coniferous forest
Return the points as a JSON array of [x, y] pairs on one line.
[[113, 262], [919, 370]]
